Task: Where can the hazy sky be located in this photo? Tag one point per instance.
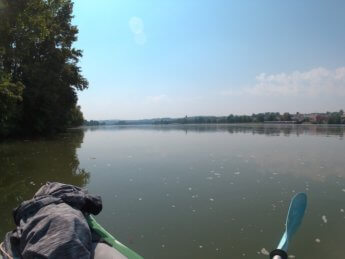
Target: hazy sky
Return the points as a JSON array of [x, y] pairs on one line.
[[171, 58]]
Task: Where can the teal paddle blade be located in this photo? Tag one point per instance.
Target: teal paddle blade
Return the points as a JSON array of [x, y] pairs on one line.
[[294, 219]]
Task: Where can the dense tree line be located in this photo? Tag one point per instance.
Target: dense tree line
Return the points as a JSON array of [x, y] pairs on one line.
[[269, 117], [92, 123], [39, 72]]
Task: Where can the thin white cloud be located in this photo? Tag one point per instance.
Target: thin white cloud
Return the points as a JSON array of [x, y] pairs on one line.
[[315, 82]]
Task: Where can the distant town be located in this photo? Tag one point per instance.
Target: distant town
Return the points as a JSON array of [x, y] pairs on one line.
[[268, 117]]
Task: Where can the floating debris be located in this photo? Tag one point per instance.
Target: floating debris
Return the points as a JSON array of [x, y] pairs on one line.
[[264, 251], [32, 183], [173, 206], [291, 256], [140, 199], [200, 246], [163, 245], [209, 178], [317, 240], [211, 199], [190, 189], [342, 210], [324, 219], [236, 173]]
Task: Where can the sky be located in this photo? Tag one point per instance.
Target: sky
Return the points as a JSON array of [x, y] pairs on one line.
[[172, 58]]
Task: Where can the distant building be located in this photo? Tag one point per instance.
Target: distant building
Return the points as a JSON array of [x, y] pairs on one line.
[[297, 117], [343, 118], [310, 117]]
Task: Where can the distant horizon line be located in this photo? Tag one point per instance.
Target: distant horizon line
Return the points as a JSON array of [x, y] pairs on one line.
[[193, 116]]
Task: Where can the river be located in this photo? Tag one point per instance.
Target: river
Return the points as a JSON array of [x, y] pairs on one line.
[[194, 191]]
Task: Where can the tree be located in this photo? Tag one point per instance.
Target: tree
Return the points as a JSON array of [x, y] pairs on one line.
[[10, 100], [286, 116], [36, 51], [75, 117], [334, 118]]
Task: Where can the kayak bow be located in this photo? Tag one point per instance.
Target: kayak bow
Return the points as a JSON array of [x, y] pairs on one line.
[[95, 226]]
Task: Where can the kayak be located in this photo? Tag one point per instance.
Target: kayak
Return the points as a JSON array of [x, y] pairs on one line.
[[109, 239], [112, 249]]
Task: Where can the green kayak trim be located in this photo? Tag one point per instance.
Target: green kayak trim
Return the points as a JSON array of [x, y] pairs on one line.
[[95, 226]]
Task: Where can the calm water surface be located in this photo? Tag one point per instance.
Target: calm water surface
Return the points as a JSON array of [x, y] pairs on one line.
[[194, 191]]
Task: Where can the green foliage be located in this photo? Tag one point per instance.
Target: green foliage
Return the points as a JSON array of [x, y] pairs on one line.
[[10, 100], [75, 117], [36, 50], [334, 118], [92, 123], [286, 116]]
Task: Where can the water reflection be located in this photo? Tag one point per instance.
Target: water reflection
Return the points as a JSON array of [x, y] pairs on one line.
[[26, 165], [261, 129]]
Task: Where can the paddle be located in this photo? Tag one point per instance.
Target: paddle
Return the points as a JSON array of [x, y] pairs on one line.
[[293, 221]]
